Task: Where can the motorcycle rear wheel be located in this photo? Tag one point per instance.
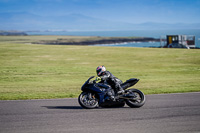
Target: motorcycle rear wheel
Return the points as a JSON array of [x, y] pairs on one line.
[[138, 100], [87, 100]]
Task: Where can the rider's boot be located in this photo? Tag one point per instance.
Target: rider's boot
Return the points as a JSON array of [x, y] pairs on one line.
[[109, 93], [121, 90]]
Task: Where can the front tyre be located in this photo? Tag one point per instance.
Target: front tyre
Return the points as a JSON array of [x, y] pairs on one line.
[[88, 100], [137, 100]]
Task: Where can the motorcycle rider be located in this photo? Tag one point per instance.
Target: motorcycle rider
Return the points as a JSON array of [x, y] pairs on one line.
[[108, 78]]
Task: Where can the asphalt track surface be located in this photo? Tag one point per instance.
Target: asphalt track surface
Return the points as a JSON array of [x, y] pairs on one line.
[[165, 113]]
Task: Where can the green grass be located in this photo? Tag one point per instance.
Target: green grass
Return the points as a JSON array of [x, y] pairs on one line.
[[29, 71]]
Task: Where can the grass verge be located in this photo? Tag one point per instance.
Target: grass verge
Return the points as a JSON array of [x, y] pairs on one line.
[[30, 71]]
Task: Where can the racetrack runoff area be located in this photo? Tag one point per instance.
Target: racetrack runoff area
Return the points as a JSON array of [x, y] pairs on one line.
[[33, 71]]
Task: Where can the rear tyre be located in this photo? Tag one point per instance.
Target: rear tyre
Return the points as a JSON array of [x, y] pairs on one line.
[[88, 100], [138, 100]]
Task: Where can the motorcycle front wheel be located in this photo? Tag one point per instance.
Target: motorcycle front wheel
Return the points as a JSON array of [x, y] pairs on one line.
[[138, 100], [88, 100]]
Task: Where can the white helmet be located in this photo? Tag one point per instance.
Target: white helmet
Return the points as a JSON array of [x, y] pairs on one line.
[[100, 70]]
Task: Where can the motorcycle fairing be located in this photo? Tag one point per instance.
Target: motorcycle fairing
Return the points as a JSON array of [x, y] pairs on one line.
[[129, 83]]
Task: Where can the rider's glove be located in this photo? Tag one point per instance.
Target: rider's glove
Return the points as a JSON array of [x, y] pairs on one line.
[[98, 78]]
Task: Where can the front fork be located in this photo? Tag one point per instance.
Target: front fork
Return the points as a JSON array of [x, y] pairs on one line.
[[99, 96]]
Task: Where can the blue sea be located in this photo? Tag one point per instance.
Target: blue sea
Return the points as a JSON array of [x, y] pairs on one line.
[[137, 33]]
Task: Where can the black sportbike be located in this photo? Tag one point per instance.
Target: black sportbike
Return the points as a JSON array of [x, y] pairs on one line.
[[94, 95]]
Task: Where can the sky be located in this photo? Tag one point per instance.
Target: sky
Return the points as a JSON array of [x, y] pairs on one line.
[[130, 11]]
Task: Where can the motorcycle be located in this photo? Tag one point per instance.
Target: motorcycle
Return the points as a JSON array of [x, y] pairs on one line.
[[93, 95]]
